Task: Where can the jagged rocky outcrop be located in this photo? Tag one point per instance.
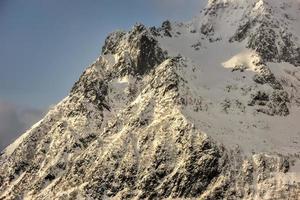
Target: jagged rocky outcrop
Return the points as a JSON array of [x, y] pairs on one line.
[[274, 46], [181, 111], [138, 51], [268, 35]]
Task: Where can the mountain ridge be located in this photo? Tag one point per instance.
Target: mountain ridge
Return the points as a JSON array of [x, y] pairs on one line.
[[185, 110]]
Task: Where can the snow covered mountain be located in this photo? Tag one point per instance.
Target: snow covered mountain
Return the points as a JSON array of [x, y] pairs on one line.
[[207, 109]]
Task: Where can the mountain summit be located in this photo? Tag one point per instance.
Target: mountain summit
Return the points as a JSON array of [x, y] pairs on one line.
[[205, 109]]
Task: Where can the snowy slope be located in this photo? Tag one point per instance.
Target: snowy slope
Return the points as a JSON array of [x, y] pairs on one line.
[[205, 109], [216, 79]]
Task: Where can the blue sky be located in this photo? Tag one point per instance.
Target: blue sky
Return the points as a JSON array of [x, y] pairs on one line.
[[46, 44]]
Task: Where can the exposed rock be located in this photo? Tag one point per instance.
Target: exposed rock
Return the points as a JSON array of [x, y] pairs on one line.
[[242, 32], [263, 41], [197, 46], [139, 52], [240, 68], [207, 29], [265, 76], [260, 98], [166, 27], [144, 124], [112, 41], [278, 103], [274, 104]]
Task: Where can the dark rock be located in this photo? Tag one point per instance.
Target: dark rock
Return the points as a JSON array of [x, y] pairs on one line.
[[207, 29], [154, 31], [193, 31], [285, 166], [278, 103], [92, 88], [144, 53], [112, 41], [166, 25], [289, 51], [242, 32], [272, 46], [265, 76], [166, 28], [50, 177], [87, 140], [149, 54], [263, 41], [259, 98], [197, 46], [240, 68], [274, 104], [21, 167]]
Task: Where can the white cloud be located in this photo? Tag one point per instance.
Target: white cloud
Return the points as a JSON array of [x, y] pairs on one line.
[[14, 120]]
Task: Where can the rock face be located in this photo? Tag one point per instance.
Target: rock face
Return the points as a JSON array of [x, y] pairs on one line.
[[208, 109]]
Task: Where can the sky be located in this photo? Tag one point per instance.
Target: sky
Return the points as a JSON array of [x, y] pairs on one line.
[[46, 44]]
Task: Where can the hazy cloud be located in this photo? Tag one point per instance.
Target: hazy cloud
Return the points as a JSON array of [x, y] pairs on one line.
[[14, 120]]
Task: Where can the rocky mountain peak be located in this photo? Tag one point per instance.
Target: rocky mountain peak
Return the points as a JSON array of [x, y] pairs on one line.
[[206, 109], [269, 27], [136, 52]]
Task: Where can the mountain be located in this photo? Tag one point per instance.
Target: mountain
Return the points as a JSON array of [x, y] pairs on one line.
[[205, 109]]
